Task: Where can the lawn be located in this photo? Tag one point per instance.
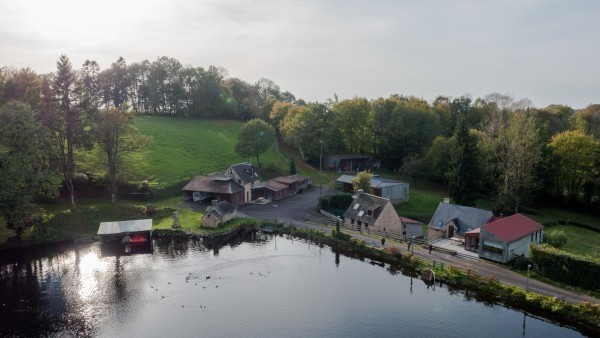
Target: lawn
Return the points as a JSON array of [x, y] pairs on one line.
[[183, 148], [580, 241]]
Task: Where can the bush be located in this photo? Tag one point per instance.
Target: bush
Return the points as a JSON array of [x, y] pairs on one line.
[[335, 203], [393, 250], [521, 263], [563, 267], [557, 239]]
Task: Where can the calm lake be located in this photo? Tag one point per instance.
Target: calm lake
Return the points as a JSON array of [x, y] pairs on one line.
[[257, 286]]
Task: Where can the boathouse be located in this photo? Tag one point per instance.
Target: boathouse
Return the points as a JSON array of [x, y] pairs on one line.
[[133, 231]]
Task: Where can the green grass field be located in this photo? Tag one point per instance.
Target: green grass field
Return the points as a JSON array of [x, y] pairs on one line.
[[183, 148], [580, 241]]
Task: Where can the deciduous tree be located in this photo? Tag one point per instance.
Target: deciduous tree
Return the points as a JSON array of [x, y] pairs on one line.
[[362, 181], [24, 175], [255, 137], [575, 152], [116, 135]]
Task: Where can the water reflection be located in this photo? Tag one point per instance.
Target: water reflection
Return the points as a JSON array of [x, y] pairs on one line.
[[270, 285]]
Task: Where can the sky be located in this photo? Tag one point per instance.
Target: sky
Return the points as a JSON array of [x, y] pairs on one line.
[[545, 50]]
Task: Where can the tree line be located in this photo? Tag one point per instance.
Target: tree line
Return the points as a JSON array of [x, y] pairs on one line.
[[495, 145]]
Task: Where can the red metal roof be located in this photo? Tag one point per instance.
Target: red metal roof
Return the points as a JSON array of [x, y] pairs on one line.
[[512, 227]]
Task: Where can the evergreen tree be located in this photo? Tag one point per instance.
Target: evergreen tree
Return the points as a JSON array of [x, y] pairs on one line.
[[464, 174], [292, 167]]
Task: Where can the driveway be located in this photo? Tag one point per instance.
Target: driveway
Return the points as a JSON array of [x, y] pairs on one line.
[[293, 209]]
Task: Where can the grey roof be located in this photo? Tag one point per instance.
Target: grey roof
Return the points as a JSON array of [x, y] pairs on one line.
[[206, 184], [222, 208], [467, 218], [245, 171], [376, 182], [366, 202], [108, 228]]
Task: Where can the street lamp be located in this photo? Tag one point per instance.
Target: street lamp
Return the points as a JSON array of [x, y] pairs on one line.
[[527, 285]]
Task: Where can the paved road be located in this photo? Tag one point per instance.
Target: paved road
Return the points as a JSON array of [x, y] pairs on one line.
[[296, 210]]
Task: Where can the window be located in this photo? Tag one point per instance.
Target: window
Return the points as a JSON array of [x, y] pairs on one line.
[[366, 225], [493, 247], [360, 213], [356, 206], [358, 222], [352, 221], [369, 212]]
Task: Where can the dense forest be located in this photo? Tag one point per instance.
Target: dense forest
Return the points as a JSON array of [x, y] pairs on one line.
[[496, 146]]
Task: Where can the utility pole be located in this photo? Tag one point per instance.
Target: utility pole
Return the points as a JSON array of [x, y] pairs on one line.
[[320, 169]]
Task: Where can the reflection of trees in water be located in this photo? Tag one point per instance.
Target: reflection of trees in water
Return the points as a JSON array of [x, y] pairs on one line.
[[62, 290], [235, 239]]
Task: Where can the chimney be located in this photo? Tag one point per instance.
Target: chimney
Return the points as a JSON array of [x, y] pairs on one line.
[[446, 200], [214, 203], [358, 193]]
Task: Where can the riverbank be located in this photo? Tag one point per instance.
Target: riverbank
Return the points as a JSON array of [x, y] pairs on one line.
[[584, 316]]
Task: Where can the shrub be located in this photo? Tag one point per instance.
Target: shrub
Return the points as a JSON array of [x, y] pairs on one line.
[[566, 268], [557, 239], [393, 250], [521, 263]]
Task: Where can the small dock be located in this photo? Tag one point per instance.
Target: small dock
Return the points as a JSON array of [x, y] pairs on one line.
[[128, 232]]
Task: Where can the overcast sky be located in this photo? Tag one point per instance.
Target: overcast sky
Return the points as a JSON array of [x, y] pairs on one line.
[[547, 51]]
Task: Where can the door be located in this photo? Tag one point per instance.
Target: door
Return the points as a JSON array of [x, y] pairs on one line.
[[451, 231]]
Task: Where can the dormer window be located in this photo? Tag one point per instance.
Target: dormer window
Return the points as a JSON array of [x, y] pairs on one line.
[[370, 212]]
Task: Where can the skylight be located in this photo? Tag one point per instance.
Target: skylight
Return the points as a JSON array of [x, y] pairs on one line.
[[356, 206], [360, 213]]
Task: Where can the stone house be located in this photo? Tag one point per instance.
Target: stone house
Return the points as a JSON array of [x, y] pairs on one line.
[[218, 213], [451, 220], [373, 212]]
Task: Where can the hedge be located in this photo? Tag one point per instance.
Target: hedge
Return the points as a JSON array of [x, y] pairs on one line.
[[567, 268]]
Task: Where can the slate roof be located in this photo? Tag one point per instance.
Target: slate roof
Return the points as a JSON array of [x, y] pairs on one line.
[[376, 182], [245, 171], [206, 184], [290, 179], [513, 227], [221, 208], [466, 218], [365, 203]]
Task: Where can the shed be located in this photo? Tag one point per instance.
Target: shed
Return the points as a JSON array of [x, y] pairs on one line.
[[351, 162], [140, 228], [395, 191]]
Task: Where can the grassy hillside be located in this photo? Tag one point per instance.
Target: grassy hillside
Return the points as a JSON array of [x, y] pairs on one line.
[[183, 148]]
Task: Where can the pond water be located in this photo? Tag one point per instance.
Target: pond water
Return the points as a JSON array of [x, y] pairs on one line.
[[258, 286]]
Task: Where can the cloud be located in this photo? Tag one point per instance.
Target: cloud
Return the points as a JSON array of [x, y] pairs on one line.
[[544, 50]]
